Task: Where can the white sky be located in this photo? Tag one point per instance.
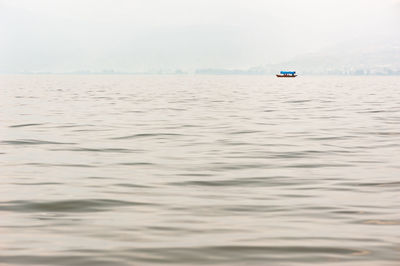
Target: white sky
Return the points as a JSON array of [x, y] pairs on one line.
[[133, 35]]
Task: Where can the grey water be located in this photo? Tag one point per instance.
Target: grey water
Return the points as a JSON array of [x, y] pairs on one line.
[[195, 170]]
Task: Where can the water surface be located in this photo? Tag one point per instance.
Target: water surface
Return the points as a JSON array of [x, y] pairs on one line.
[[194, 170]]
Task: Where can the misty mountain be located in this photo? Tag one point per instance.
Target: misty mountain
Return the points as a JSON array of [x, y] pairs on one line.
[[359, 57]]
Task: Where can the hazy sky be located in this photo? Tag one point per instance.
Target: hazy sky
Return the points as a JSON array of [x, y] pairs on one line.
[[133, 35]]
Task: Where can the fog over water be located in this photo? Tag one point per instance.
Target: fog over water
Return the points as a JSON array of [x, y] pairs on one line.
[[133, 36]]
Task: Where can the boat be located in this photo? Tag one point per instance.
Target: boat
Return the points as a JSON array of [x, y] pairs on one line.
[[287, 74]]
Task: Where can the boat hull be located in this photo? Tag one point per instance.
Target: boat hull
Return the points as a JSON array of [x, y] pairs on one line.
[[286, 76]]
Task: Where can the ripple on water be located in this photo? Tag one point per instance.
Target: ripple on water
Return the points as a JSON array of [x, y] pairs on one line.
[[81, 205], [228, 254], [148, 135], [27, 125], [196, 170], [32, 142]]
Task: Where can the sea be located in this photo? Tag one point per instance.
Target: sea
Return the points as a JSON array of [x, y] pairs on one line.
[[199, 170]]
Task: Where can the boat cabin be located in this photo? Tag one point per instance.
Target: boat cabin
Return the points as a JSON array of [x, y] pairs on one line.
[[287, 74]]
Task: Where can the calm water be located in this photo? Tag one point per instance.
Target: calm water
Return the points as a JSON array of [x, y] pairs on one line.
[[194, 170]]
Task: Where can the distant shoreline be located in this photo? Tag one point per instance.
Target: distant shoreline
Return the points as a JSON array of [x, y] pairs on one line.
[[191, 74]]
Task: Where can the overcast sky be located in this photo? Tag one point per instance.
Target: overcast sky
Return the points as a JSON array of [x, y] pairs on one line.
[[133, 35]]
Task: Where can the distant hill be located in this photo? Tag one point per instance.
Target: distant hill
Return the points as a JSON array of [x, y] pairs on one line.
[[360, 58]]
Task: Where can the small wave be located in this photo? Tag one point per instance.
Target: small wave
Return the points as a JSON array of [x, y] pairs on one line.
[[146, 135], [298, 101], [245, 132], [131, 185], [26, 125], [136, 163], [241, 182], [317, 165], [61, 165], [111, 150], [377, 184], [32, 142], [197, 255], [382, 222], [81, 205], [37, 184]]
